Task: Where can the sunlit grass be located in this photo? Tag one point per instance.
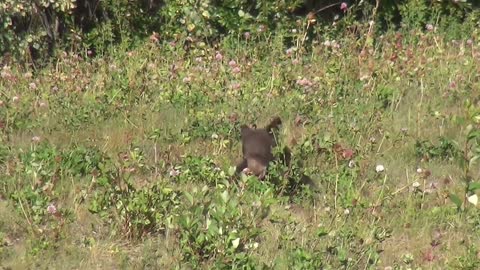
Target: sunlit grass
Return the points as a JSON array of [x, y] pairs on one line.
[[145, 110]]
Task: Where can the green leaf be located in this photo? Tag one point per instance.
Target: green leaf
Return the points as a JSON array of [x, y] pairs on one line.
[[225, 196], [321, 232], [473, 134], [235, 243], [189, 197], [231, 170], [456, 200], [473, 186]]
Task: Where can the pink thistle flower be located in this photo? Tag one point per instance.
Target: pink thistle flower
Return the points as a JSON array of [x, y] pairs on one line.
[[344, 7], [32, 86], [35, 139], [246, 35], [429, 27]]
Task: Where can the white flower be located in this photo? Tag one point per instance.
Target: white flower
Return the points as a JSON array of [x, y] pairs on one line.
[[174, 172], [351, 164], [187, 80], [415, 184], [379, 168], [473, 199]]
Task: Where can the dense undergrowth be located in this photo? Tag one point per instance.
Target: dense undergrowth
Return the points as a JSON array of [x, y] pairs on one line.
[[125, 160]]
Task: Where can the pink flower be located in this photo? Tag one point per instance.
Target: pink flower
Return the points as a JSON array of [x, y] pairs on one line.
[[52, 209], [232, 63], [289, 51], [343, 7], [35, 139], [32, 86], [235, 86], [304, 82], [429, 27], [6, 74], [246, 35], [453, 84], [469, 42], [236, 70], [154, 37], [218, 56]]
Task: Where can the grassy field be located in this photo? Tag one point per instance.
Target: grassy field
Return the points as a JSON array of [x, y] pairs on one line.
[[125, 162]]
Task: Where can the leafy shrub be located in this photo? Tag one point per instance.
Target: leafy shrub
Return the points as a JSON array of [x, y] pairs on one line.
[[81, 160], [446, 149], [138, 211], [213, 226], [4, 153], [199, 170], [303, 259], [212, 19], [42, 162]]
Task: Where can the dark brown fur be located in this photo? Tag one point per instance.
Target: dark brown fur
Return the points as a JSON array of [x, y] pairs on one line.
[[257, 147]]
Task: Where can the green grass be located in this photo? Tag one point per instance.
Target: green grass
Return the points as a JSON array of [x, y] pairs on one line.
[[98, 139]]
